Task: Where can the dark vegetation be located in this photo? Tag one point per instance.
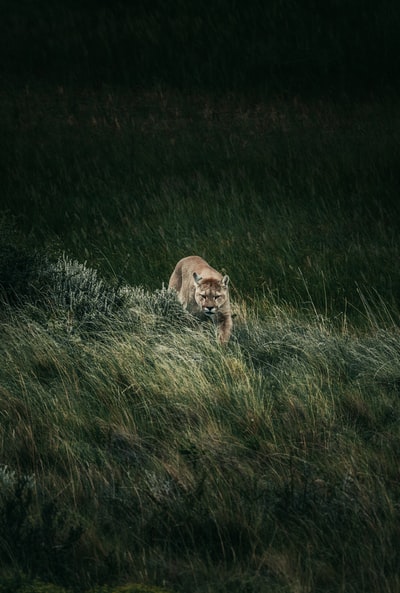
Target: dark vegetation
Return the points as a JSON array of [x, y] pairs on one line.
[[136, 455], [282, 45]]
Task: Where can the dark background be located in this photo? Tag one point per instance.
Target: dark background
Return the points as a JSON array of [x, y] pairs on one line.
[[302, 46], [260, 135]]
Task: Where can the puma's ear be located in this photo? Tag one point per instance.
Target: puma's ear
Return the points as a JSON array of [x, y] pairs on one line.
[[197, 278], [225, 281]]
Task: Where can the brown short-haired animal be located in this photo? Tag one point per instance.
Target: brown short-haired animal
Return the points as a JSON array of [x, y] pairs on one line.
[[203, 292]]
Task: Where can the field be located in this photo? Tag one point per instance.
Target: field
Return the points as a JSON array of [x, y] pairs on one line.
[[137, 455], [133, 447]]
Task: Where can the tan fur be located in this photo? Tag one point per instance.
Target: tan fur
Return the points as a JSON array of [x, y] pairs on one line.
[[204, 292]]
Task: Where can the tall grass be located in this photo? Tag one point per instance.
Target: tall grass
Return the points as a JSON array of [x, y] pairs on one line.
[[294, 197], [136, 447]]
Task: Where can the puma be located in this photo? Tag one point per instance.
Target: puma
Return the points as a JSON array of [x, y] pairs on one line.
[[203, 292]]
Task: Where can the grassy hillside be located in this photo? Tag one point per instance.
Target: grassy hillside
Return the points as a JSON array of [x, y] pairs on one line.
[[137, 455], [133, 447]]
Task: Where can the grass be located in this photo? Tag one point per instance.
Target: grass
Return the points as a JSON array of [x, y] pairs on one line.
[[296, 197], [134, 446], [134, 449]]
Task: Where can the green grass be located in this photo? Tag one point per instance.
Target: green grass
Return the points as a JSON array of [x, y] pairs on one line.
[[135, 446], [134, 449], [136, 454], [298, 198]]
